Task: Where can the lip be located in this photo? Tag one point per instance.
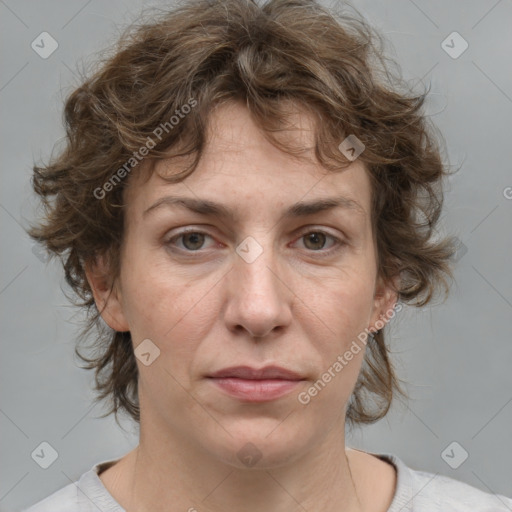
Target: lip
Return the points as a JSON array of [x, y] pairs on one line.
[[256, 385], [249, 373]]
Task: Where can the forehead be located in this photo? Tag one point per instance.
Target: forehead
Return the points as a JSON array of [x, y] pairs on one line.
[[239, 165]]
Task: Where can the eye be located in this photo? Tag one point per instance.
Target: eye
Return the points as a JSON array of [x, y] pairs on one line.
[[192, 241], [316, 240]]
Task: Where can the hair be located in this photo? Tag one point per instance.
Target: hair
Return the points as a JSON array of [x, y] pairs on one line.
[[273, 57]]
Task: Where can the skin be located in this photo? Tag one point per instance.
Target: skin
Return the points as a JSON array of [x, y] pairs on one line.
[[209, 309]]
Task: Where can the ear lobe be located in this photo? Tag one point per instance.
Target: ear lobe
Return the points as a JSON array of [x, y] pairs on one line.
[[106, 293]]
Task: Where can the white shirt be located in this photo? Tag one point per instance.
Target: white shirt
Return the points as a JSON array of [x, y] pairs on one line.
[[416, 491]]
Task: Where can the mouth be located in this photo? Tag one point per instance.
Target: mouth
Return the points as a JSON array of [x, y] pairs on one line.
[[256, 385]]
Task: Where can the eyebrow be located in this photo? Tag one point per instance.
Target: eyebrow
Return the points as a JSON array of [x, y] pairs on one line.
[[300, 209]]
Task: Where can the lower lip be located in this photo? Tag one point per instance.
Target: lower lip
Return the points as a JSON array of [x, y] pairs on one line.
[[256, 390]]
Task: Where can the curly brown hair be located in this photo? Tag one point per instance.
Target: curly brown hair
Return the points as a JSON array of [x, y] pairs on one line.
[[204, 53]]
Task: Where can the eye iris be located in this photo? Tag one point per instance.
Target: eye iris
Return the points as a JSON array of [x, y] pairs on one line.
[[194, 239], [314, 237]]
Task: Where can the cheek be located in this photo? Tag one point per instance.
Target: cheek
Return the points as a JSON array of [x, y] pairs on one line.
[[333, 321], [342, 305], [346, 310], [173, 310]]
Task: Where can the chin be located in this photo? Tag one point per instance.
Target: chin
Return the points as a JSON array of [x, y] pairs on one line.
[[262, 445]]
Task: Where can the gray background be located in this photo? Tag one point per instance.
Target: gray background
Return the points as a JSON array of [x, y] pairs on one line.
[[455, 356]]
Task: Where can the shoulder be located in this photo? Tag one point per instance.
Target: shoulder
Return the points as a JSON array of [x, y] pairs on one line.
[[63, 500], [422, 491], [454, 495], [85, 495]]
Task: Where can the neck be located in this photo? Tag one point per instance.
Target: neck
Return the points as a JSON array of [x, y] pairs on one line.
[[167, 473]]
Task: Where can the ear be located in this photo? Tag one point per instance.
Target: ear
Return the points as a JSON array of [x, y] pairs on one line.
[[107, 294], [385, 299]]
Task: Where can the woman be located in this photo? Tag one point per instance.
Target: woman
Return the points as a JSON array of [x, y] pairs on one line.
[[239, 201]]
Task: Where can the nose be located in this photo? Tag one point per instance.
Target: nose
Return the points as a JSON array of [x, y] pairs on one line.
[[259, 297]]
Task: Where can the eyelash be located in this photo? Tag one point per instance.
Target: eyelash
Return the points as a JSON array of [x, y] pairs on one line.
[[338, 244]]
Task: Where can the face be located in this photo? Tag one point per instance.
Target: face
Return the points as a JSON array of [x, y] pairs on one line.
[[264, 285]]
